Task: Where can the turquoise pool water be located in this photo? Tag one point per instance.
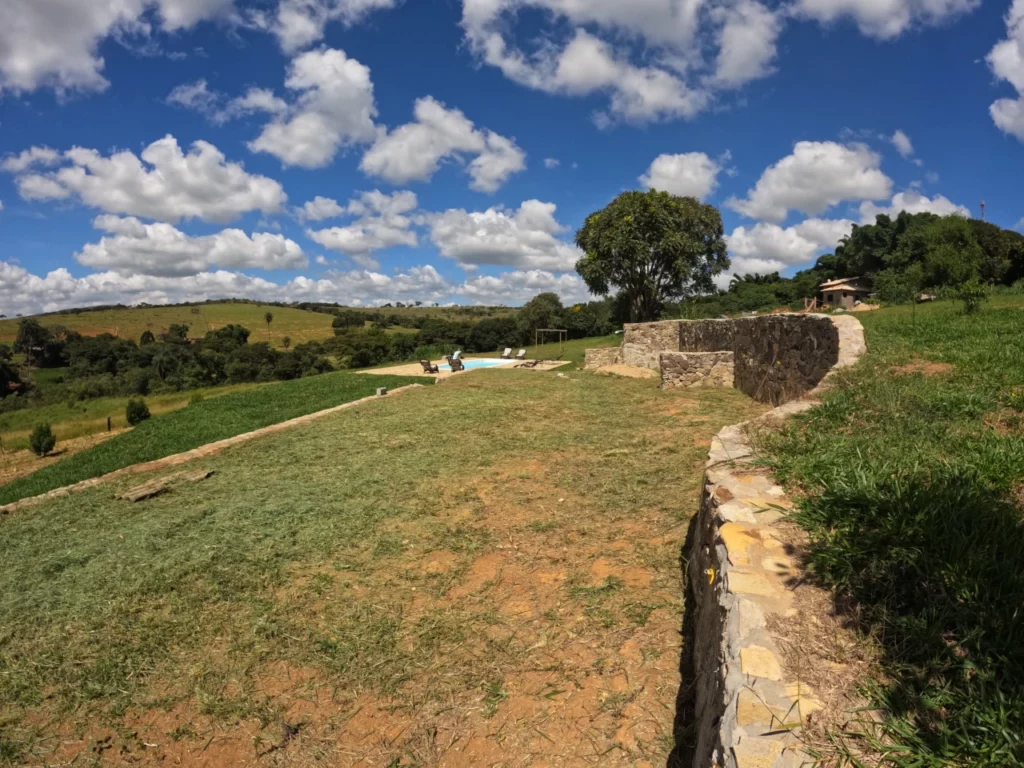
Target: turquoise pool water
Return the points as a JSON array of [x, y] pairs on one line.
[[480, 362]]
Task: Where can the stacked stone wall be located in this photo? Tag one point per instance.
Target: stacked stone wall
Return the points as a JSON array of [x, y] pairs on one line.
[[747, 708], [654, 337], [598, 358], [696, 369]]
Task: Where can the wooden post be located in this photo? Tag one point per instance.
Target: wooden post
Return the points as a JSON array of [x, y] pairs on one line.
[[108, 423]]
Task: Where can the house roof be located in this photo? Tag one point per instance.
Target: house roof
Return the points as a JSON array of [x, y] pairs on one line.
[[843, 282]]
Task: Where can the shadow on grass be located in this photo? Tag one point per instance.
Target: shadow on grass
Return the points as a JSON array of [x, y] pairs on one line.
[[932, 566], [683, 732]]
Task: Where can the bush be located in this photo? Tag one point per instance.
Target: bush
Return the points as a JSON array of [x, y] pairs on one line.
[[136, 412], [42, 440], [972, 294]]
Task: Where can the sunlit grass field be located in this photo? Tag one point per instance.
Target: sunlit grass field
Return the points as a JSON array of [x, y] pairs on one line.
[[912, 474]]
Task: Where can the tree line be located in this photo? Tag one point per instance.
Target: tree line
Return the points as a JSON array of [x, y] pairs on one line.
[[660, 254]]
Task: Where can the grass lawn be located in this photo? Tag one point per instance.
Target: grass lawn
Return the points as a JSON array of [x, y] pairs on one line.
[[130, 322], [87, 417], [913, 481], [469, 572], [200, 423]]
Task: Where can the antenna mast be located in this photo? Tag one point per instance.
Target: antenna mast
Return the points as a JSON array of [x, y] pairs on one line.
[[982, 210]]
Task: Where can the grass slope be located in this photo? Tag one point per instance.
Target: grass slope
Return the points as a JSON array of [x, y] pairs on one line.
[[913, 473], [130, 322], [478, 569], [200, 423]]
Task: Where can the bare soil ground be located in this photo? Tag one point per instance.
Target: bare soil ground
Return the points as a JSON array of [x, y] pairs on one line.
[[505, 594]]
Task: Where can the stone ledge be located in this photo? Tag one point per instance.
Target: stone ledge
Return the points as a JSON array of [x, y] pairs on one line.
[[747, 714]]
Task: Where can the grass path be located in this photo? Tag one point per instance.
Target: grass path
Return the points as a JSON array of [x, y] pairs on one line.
[[201, 423], [481, 571]]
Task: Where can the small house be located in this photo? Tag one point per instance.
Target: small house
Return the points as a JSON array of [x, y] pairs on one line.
[[844, 292]]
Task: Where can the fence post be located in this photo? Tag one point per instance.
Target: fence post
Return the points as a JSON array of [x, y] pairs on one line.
[[108, 423]]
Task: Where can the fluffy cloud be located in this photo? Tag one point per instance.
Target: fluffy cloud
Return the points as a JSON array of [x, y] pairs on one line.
[[817, 175], [903, 145], [55, 43], [198, 96], [524, 238], [911, 201], [670, 80], [551, 162], [300, 23], [766, 248], [320, 208], [886, 19], [382, 224], [520, 286], [692, 174], [134, 248], [414, 151], [1006, 60], [164, 184], [334, 107], [30, 158], [24, 293], [746, 43]]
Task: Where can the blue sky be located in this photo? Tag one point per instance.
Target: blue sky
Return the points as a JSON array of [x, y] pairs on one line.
[[364, 151]]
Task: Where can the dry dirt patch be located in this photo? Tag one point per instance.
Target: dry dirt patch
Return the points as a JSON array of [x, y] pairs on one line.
[[925, 367], [630, 371]]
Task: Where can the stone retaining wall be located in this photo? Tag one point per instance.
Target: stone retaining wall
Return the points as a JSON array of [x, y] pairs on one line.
[[776, 357], [696, 369], [746, 709], [598, 358]]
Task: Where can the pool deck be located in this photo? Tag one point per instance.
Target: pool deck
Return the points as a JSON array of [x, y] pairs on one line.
[[415, 369]]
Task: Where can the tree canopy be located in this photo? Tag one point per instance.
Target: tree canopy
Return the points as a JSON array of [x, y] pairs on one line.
[[653, 247]]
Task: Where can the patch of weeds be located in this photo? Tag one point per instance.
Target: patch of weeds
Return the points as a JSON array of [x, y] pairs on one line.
[[321, 583], [388, 545], [185, 731], [639, 613], [494, 694], [608, 587], [615, 703], [544, 526]]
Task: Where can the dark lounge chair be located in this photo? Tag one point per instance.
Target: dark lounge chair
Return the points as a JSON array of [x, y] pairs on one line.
[[429, 367], [456, 363], [535, 363]]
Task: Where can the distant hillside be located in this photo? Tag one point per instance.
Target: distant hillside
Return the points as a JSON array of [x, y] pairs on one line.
[[130, 322], [313, 324]]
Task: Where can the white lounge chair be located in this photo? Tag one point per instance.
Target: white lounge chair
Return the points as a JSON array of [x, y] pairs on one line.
[[521, 354], [507, 353], [457, 355]]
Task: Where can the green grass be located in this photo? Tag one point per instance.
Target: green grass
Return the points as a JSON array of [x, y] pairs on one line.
[[200, 423], [912, 494], [306, 552], [88, 417], [130, 322]]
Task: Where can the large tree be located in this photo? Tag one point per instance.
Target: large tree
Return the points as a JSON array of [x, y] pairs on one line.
[[654, 247]]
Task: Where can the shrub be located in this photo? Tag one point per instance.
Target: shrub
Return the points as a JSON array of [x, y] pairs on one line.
[[42, 440], [972, 294], [136, 412]]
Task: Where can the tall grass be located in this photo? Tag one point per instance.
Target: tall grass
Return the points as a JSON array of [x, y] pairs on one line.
[[912, 480], [200, 423]]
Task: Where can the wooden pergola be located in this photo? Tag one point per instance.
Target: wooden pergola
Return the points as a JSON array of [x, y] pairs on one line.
[[562, 336]]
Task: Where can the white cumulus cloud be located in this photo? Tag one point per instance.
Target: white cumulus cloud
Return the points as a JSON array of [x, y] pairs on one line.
[[524, 238], [746, 43], [30, 158], [903, 145], [765, 248], [885, 19], [519, 286], [163, 183], [320, 208], [911, 201], [300, 23], [334, 107], [1006, 61], [55, 43], [134, 248], [382, 223], [816, 176], [414, 151], [692, 174]]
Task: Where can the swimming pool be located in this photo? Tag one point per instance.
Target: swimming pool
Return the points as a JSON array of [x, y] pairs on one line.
[[480, 362]]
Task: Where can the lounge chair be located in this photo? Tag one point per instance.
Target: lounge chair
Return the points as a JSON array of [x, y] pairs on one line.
[[521, 354], [535, 363], [429, 367], [457, 355], [507, 353], [455, 363]]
